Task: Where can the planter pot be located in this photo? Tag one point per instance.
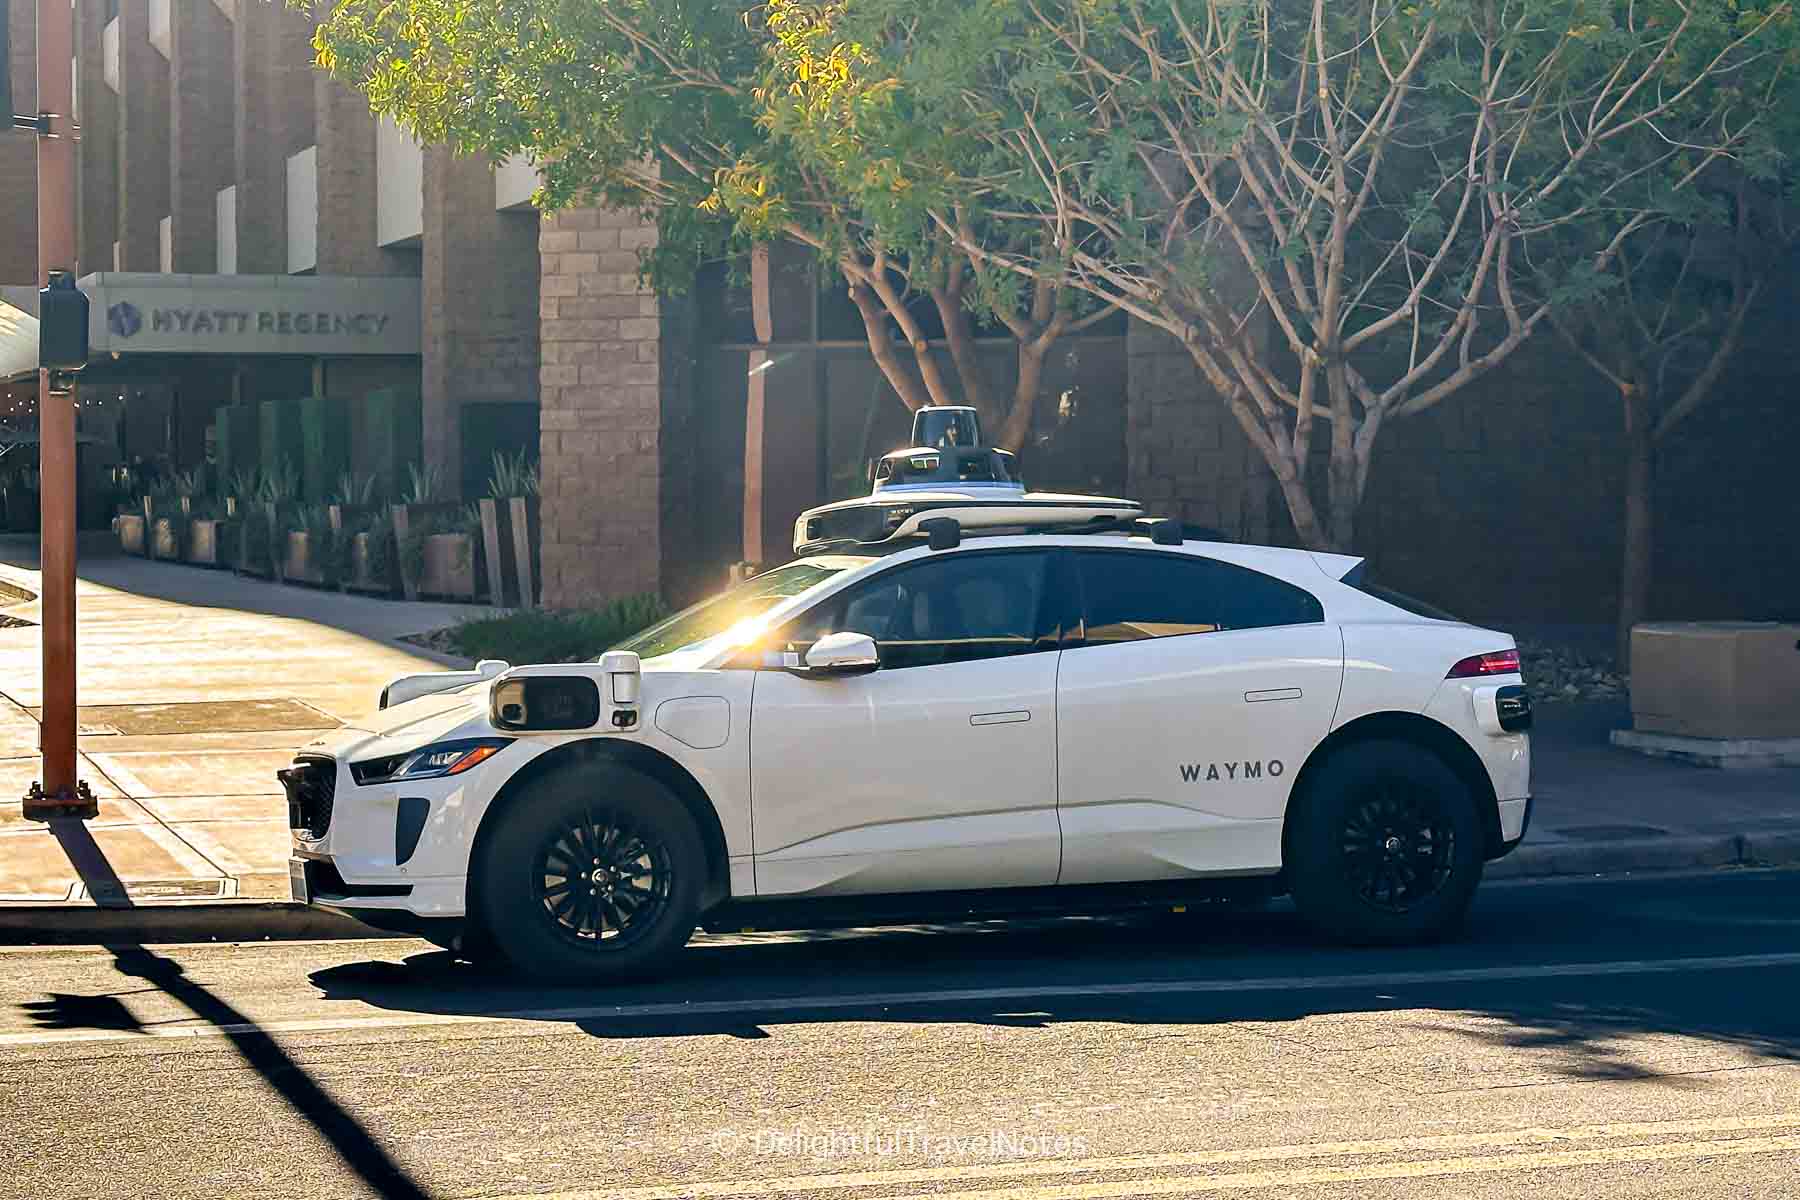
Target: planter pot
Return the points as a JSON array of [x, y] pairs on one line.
[[131, 533], [449, 566], [165, 538], [363, 576], [206, 542], [302, 564], [248, 558]]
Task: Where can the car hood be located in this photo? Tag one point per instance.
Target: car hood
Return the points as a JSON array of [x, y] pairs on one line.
[[408, 726]]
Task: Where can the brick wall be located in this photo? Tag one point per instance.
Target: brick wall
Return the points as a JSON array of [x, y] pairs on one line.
[[18, 155], [97, 170], [347, 201], [143, 140], [479, 289], [1187, 457], [201, 133], [272, 86], [602, 420]]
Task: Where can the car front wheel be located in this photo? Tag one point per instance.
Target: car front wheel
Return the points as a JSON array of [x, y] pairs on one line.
[[594, 872], [1387, 846]]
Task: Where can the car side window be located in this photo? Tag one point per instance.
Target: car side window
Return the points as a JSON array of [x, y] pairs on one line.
[[949, 609], [1133, 595]]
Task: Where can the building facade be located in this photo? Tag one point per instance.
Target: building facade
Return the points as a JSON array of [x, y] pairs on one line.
[[255, 239]]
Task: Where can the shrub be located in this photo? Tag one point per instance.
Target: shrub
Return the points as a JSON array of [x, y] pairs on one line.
[[538, 636]]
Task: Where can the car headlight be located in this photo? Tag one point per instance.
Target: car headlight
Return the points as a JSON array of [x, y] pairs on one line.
[[428, 762]]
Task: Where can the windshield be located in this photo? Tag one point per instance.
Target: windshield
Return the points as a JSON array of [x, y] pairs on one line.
[[742, 604]]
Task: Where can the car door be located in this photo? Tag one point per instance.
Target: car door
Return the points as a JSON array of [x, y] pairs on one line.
[[935, 771], [1188, 698]]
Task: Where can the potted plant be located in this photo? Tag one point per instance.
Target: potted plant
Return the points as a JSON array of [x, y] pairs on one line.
[[162, 518], [205, 545], [307, 543], [436, 541], [509, 529], [373, 565], [262, 545], [348, 512], [130, 524]]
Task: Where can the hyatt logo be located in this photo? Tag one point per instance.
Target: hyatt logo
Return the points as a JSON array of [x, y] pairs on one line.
[[123, 319]]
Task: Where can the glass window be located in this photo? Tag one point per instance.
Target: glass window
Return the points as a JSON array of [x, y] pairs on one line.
[[957, 608], [740, 605], [1133, 595]]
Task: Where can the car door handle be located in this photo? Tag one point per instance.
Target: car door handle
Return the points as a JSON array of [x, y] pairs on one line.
[[1268, 694], [1001, 718]]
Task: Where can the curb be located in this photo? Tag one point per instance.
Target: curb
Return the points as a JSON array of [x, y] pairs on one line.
[[226, 921], [259, 921], [1767, 848]]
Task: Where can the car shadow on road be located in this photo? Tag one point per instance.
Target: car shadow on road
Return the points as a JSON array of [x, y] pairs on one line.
[[1254, 968]]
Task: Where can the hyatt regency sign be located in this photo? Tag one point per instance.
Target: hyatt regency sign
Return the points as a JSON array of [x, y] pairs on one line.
[[132, 313]]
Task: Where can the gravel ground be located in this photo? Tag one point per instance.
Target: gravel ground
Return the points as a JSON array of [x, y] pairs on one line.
[[1556, 671]]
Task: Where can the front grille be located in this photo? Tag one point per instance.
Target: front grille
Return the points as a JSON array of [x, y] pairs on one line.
[[310, 783]]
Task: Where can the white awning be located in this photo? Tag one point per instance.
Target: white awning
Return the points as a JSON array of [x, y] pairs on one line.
[[18, 343]]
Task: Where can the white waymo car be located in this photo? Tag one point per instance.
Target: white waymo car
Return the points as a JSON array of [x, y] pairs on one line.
[[1038, 714]]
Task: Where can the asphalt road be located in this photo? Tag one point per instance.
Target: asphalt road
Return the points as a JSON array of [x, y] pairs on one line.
[[1594, 1039]]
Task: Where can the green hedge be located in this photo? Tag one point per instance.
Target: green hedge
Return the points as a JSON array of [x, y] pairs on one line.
[[538, 636]]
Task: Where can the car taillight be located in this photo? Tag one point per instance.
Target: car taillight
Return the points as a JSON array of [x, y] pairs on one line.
[[1497, 662]]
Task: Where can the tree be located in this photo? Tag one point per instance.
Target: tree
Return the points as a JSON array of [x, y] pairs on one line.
[[653, 105], [1344, 211], [1667, 321]]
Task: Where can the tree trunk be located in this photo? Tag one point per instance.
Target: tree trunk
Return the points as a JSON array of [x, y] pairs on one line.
[[1640, 461], [905, 384], [1342, 480], [1307, 527], [959, 335], [1017, 426]]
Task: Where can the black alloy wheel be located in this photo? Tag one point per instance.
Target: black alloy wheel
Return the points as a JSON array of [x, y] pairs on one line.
[[1399, 846], [590, 871], [1383, 844], [602, 882]]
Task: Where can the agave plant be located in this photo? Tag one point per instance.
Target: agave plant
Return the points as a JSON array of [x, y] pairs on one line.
[[279, 485], [422, 484], [513, 476], [354, 491], [244, 485]]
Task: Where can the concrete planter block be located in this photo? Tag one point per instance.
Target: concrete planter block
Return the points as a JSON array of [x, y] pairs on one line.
[[165, 539], [1748, 753], [449, 567], [131, 534], [525, 533], [302, 563], [363, 575], [204, 542]]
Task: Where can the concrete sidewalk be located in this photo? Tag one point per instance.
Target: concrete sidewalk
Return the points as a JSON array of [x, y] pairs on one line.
[[192, 838], [195, 686]]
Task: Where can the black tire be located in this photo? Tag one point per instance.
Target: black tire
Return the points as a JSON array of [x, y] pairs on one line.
[[1387, 846], [620, 918]]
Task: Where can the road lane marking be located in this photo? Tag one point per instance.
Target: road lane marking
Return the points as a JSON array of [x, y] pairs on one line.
[[1429, 1168], [732, 1189], [787, 1005]]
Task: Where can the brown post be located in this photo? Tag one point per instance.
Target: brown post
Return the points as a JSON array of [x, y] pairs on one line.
[[59, 793]]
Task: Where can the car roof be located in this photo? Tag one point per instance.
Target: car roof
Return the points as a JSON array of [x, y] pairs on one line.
[[1306, 568]]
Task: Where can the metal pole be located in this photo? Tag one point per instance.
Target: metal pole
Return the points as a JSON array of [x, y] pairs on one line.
[[59, 793]]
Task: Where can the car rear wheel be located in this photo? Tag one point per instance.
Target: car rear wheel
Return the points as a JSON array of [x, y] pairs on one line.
[[594, 872], [1387, 846]]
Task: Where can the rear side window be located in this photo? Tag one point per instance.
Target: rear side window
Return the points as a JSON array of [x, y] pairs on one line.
[[1411, 604], [1134, 595]]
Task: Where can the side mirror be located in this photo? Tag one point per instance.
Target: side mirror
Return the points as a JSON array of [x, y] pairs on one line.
[[843, 654]]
